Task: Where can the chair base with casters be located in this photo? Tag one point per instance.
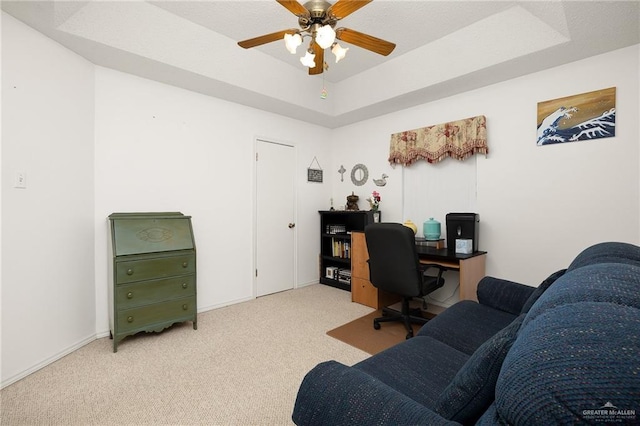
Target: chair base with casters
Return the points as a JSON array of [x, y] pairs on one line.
[[404, 315]]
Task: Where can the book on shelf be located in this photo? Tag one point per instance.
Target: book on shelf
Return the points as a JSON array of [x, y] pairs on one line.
[[336, 229], [438, 244], [340, 248], [344, 276]]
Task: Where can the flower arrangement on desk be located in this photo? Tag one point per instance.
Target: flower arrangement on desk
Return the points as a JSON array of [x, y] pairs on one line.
[[374, 200]]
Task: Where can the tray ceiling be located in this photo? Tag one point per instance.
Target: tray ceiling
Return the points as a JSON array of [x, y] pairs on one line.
[[443, 48]]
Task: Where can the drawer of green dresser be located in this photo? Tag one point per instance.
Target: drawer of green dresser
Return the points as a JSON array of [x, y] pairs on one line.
[[162, 314], [160, 267], [147, 292]]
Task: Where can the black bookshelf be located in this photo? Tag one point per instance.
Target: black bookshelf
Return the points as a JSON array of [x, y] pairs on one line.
[[335, 244]]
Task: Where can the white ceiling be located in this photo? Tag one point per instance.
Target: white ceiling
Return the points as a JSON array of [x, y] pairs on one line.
[[443, 47]]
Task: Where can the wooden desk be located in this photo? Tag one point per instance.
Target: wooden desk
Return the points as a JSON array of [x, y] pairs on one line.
[[470, 266]]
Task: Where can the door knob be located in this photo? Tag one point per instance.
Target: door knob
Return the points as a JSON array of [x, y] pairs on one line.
[[292, 225]]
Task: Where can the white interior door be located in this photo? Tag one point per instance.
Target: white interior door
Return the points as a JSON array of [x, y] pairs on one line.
[[275, 217]]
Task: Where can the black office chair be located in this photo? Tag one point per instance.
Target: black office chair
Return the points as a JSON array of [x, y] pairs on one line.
[[394, 267]]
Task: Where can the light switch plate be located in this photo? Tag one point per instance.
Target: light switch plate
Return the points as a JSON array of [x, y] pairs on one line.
[[21, 180]]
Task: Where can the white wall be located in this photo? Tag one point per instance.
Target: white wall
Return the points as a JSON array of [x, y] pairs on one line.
[[159, 148], [48, 302], [558, 199], [538, 206]]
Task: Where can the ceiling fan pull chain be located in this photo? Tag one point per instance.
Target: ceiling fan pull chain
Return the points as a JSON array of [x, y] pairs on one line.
[[323, 93]]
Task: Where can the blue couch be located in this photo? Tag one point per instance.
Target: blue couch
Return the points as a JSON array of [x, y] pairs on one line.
[[566, 352]]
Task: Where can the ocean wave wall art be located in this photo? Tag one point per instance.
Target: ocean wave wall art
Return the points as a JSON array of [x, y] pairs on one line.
[[587, 116]]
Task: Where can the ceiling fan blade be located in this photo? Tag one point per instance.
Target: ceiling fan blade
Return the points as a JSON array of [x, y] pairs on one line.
[[264, 39], [365, 41], [296, 8], [343, 8], [319, 59]]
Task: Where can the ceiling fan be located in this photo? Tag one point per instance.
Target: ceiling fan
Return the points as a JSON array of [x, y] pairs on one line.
[[317, 19]]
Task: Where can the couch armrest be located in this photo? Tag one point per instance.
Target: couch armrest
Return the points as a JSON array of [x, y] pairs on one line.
[[334, 394], [504, 295]]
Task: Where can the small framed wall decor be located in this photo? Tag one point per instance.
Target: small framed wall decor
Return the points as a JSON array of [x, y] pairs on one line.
[[314, 175], [359, 174]]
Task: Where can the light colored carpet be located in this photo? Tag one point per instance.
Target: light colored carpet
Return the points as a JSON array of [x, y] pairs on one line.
[[243, 366]]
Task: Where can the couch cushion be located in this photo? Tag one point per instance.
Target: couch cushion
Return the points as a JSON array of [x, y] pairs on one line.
[[541, 289], [333, 394], [466, 325], [609, 252], [472, 390], [604, 282], [569, 361], [420, 368], [504, 295]]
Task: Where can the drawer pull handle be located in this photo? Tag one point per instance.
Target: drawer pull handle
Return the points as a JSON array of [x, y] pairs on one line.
[[185, 264], [184, 285], [129, 319], [185, 307], [129, 271], [130, 295]]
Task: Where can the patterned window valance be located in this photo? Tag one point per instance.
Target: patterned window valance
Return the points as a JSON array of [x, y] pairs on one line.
[[457, 139]]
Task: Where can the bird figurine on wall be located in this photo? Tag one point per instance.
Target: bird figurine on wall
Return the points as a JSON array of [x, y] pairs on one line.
[[382, 181]]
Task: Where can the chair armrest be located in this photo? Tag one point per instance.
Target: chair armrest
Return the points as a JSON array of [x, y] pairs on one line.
[[334, 394], [426, 266], [504, 295]]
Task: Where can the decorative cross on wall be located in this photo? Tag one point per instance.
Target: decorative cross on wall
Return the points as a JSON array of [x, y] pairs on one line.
[[341, 171]]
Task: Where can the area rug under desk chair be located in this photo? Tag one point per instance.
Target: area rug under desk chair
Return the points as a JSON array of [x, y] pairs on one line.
[[360, 334], [394, 266]]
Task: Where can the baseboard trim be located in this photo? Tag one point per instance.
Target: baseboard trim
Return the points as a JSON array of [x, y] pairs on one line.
[[47, 361], [223, 305]]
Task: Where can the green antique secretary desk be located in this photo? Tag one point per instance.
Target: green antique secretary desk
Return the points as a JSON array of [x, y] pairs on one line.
[[153, 276]]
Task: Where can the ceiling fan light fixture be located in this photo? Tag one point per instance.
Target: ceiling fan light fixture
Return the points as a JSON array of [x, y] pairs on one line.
[[325, 36], [308, 60], [317, 19], [292, 41], [339, 51]]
